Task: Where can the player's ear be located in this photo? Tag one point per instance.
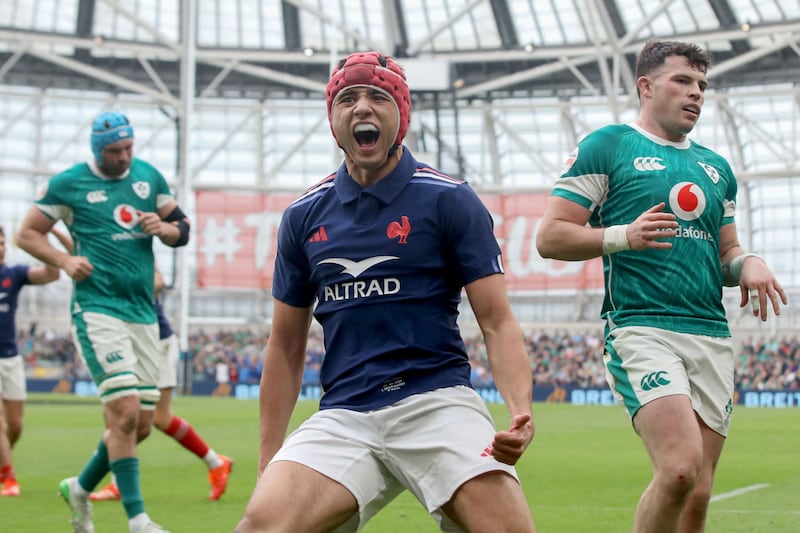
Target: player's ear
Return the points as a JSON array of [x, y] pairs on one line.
[[643, 86]]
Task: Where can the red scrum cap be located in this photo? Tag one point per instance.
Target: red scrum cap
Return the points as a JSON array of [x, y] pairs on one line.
[[372, 69]]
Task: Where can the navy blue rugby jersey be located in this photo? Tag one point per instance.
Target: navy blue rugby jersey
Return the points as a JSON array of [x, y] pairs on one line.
[[12, 279], [385, 266]]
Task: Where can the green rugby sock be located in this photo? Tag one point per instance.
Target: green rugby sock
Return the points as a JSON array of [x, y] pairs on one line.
[[126, 471], [96, 469]]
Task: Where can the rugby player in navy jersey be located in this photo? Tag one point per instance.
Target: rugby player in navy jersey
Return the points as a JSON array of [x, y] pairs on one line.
[[659, 208], [379, 252], [12, 367]]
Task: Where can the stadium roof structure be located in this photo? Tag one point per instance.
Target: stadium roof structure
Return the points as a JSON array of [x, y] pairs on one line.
[[484, 49], [229, 93], [458, 53]]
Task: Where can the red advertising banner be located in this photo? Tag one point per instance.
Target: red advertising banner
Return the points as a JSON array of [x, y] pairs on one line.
[[236, 236]]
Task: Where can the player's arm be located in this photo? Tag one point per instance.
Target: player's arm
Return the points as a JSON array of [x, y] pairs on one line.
[[508, 361], [750, 272], [282, 375], [563, 233], [32, 237], [39, 275], [170, 224], [64, 239]]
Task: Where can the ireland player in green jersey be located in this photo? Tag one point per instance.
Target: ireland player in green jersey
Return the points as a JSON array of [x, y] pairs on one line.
[[660, 210], [113, 206]]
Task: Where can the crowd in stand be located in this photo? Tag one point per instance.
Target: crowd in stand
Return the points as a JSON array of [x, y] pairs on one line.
[[557, 358]]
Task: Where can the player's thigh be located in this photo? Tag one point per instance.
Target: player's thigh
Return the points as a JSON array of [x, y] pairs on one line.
[[14, 410], [163, 411], [493, 502], [671, 432], [344, 446], [144, 424], [293, 497], [713, 443]]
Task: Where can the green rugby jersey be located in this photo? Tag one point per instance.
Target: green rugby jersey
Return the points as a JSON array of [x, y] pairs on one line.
[[100, 213], [620, 171]]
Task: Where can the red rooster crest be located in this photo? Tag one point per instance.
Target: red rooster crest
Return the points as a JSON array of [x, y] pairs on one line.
[[399, 229]]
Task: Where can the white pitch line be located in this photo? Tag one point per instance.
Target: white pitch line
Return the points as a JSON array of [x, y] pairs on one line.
[[738, 492]]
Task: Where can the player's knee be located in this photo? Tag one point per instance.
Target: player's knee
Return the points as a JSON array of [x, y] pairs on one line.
[[161, 420], [14, 432], [245, 525], [142, 433], [122, 414], [680, 480]]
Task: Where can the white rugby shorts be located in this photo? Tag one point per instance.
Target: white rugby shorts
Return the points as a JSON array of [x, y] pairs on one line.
[[12, 378], [377, 454], [122, 357], [169, 354], [645, 363]]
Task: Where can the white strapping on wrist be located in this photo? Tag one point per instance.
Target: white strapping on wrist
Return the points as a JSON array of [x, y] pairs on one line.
[[733, 272], [615, 239]]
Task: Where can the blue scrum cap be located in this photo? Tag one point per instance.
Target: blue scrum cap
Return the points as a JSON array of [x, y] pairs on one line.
[[109, 128]]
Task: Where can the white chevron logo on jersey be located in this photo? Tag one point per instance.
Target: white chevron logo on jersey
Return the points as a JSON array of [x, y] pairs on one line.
[[356, 268], [648, 163]]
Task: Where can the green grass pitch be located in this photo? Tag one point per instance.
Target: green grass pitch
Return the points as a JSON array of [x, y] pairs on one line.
[[584, 471]]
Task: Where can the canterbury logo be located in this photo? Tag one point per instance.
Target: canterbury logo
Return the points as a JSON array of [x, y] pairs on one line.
[[655, 380], [95, 197], [113, 357], [648, 163], [356, 268]]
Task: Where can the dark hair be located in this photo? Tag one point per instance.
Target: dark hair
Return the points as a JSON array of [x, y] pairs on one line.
[[656, 52], [3, 233]]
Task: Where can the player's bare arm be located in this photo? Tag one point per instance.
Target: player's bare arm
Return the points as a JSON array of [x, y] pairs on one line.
[[32, 238], [751, 273], [282, 375], [563, 233], [40, 275], [508, 360]]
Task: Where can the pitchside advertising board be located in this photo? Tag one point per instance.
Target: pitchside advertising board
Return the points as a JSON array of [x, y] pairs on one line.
[[541, 393], [236, 235]]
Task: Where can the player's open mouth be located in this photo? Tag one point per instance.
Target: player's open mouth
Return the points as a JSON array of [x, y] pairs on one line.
[[366, 135]]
